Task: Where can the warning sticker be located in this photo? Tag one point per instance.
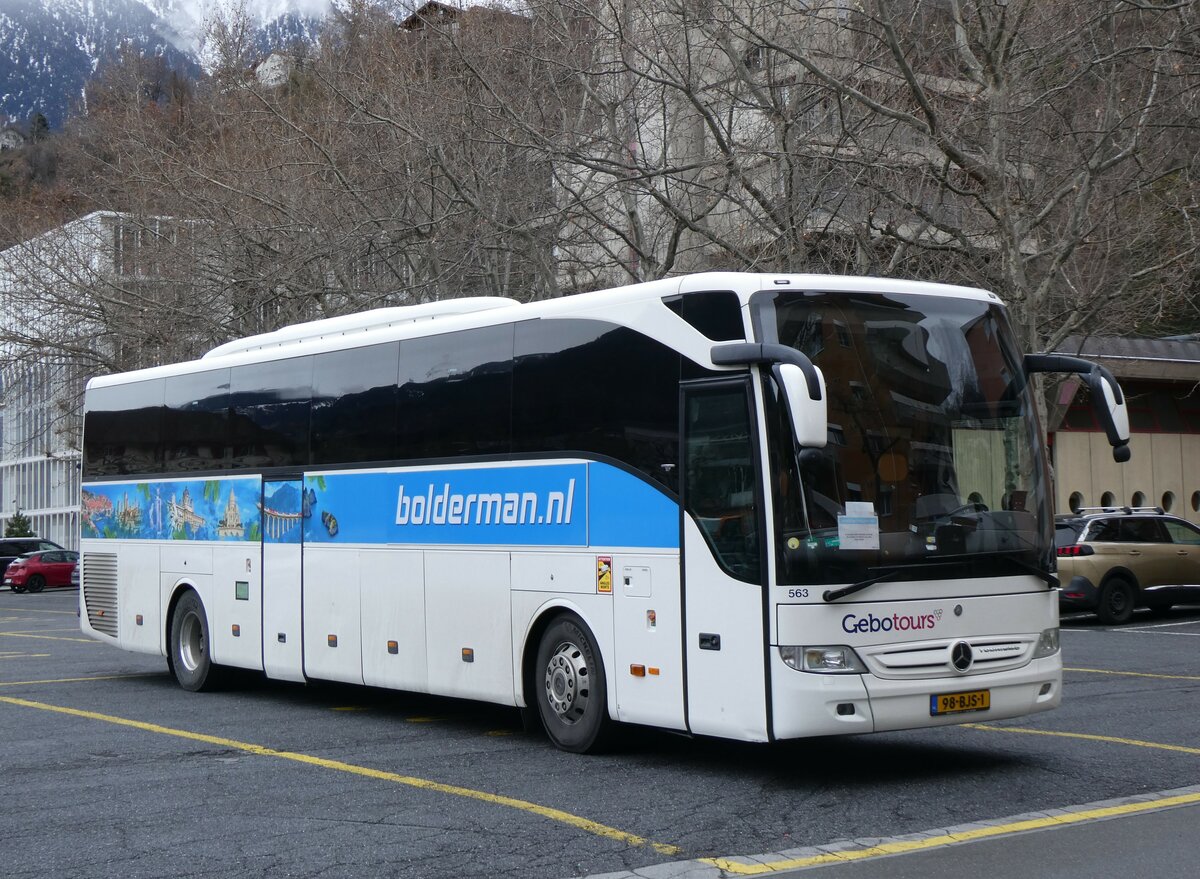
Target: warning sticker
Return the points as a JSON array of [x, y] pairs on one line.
[[604, 573]]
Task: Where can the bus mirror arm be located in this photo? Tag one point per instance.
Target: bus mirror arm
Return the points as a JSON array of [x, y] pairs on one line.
[[1107, 398], [747, 353], [800, 382]]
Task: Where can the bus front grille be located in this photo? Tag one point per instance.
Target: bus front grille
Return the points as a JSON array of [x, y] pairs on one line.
[[932, 659], [98, 579]]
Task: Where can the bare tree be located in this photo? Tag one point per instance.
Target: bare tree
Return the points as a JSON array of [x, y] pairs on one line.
[[1041, 148], [1036, 148]]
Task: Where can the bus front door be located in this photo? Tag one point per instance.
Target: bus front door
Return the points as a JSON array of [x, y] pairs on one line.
[[282, 576], [722, 555]]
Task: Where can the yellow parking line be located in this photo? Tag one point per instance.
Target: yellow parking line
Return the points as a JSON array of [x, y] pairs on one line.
[[45, 637], [411, 781], [81, 680], [913, 845], [1112, 740], [1135, 674]]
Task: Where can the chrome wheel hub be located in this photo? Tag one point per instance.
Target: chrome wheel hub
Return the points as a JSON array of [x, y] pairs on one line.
[[191, 642], [567, 682]]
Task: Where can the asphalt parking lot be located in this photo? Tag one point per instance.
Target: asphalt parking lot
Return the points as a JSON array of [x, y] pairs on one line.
[[109, 769]]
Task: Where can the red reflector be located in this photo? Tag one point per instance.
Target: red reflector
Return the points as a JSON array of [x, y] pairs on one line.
[[1073, 594]]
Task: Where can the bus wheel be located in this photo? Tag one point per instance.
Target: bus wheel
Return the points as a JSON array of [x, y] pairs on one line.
[[189, 659], [1116, 602], [570, 686], [36, 583]]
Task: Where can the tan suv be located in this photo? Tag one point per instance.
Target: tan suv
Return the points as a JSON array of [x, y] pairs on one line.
[[1111, 560]]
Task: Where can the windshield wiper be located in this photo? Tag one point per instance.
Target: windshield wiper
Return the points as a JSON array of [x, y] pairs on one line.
[[835, 594], [890, 573], [1050, 579]]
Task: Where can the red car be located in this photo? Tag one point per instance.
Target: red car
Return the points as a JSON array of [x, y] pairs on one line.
[[34, 571]]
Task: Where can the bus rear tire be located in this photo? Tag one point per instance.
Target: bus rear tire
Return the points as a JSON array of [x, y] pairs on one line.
[[189, 658], [570, 687]]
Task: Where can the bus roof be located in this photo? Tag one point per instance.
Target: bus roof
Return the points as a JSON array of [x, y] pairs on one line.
[[638, 306]]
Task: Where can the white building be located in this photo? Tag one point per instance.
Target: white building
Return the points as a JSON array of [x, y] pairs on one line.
[[40, 391], [39, 454]]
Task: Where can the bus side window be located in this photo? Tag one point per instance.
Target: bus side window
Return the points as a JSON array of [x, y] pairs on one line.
[[123, 429], [594, 388], [721, 479], [354, 405], [455, 396]]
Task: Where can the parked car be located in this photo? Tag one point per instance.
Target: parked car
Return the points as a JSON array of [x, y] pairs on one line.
[[1113, 559], [11, 547], [35, 571]]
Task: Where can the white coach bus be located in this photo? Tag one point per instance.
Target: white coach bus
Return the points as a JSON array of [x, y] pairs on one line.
[[750, 506]]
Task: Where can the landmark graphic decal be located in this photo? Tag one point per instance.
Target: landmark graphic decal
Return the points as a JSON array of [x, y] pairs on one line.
[[192, 509]]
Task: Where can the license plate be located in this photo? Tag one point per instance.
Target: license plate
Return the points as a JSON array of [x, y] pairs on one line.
[[958, 703]]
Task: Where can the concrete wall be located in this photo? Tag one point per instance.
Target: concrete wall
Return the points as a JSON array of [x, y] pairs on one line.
[[1165, 468]]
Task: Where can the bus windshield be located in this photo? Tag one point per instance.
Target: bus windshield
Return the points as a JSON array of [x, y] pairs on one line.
[[934, 468]]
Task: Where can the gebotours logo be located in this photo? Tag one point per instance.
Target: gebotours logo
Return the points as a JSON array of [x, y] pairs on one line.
[[854, 623]]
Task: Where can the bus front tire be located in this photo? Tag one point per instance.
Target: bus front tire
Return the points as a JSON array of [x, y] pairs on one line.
[[190, 660], [570, 687]]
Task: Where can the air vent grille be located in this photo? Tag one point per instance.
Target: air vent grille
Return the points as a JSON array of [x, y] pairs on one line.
[[98, 578]]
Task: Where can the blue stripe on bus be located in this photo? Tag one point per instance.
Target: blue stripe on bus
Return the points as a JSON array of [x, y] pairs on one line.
[[567, 505]]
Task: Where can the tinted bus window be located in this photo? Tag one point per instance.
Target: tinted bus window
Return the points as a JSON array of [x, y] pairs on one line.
[[716, 313], [123, 429], [456, 394], [592, 387], [354, 405], [269, 411], [197, 421]]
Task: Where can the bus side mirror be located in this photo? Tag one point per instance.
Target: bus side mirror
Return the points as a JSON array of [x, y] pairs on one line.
[[1107, 399], [809, 416], [1110, 407]]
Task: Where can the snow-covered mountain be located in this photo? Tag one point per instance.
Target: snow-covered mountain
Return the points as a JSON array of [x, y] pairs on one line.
[[49, 49]]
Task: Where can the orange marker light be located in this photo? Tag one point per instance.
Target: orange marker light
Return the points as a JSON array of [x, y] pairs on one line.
[[654, 671], [333, 640], [638, 671], [393, 647], [468, 654], [138, 619], [237, 630]]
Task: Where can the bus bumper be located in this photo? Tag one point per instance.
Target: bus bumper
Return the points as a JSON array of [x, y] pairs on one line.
[[847, 704]]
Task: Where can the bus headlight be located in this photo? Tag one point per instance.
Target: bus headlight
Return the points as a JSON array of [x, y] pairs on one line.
[[832, 659], [1047, 644]]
